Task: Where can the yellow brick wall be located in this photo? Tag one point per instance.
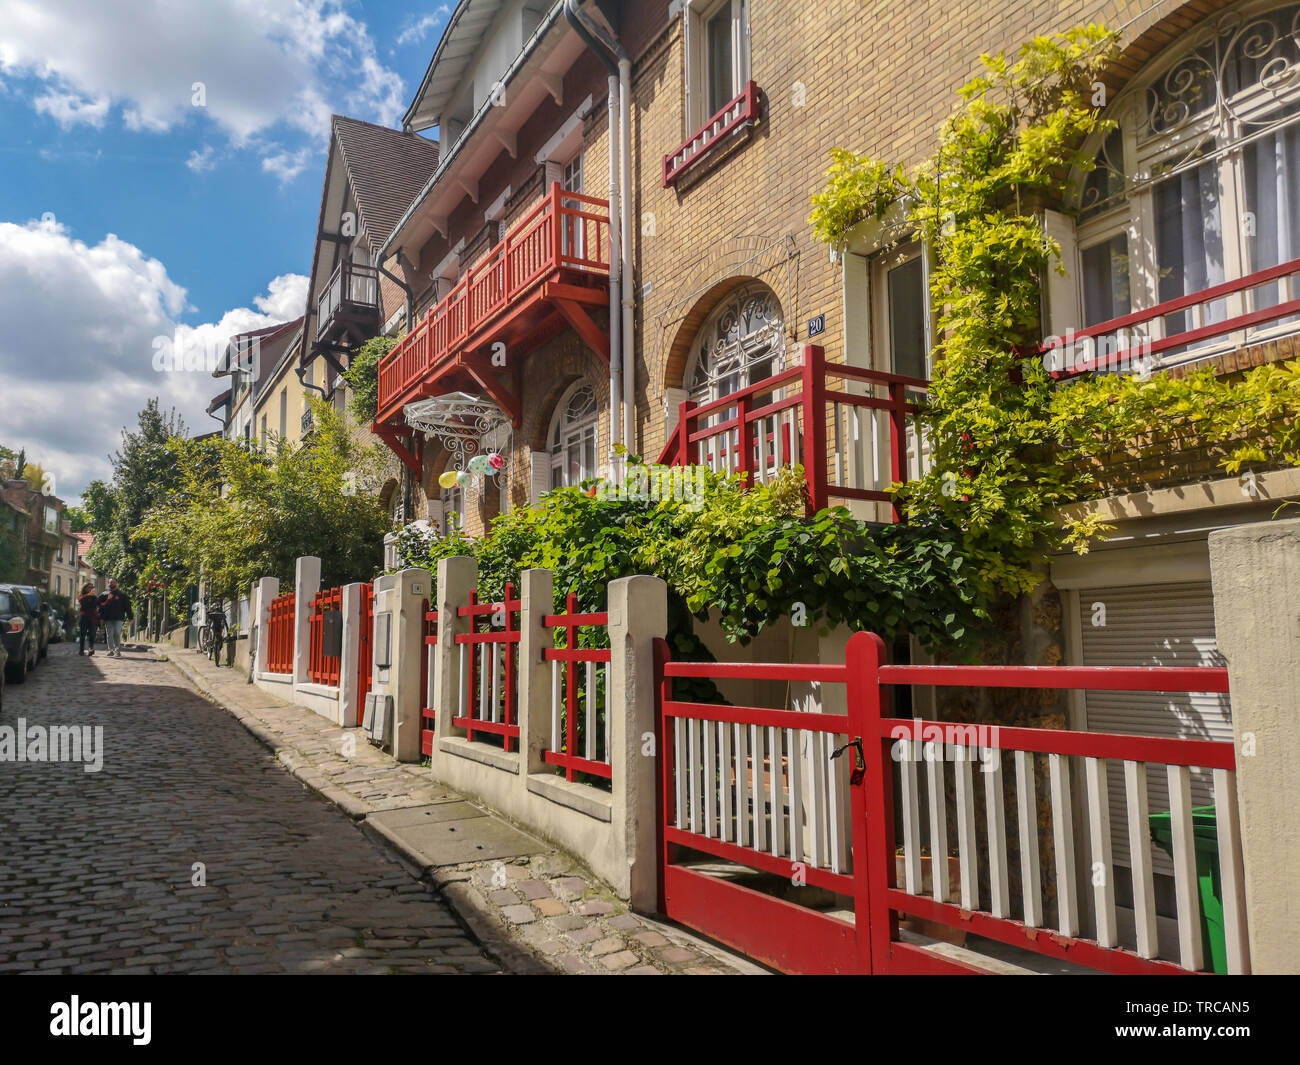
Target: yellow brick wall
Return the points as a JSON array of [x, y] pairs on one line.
[[876, 77]]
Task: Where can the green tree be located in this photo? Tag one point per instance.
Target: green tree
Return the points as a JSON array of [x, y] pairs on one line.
[[362, 376], [239, 513], [145, 473]]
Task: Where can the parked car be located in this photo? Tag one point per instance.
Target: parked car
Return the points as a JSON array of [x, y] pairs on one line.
[[4, 663], [39, 605], [20, 633]]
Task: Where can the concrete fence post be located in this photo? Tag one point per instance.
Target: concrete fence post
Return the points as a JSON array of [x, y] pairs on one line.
[[1255, 570], [638, 613], [457, 577], [537, 598], [264, 590], [305, 588], [350, 657], [401, 597]]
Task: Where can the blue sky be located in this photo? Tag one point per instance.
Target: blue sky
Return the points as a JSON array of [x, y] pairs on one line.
[[160, 169]]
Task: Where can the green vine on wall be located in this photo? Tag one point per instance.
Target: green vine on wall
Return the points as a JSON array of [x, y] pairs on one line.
[[1010, 446]]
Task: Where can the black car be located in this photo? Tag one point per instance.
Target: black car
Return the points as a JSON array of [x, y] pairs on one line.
[[20, 632], [43, 619]]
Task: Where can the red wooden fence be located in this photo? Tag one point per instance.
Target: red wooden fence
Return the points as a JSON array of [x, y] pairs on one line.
[[576, 708], [366, 651], [760, 788], [488, 664], [796, 417], [279, 634], [323, 668]]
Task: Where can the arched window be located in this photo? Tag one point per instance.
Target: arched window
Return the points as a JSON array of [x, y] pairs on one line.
[[573, 437], [1200, 182], [742, 342]]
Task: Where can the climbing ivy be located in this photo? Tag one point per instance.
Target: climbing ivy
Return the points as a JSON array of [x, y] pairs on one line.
[[1010, 446]]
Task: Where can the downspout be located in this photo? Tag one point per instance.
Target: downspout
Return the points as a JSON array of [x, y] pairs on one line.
[[410, 294], [625, 211], [408, 486], [588, 34]]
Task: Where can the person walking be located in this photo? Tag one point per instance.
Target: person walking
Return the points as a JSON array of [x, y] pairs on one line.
[[87, 618], [115, 609]]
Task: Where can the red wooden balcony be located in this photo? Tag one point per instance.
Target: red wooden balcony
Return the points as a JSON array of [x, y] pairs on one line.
[[853, 440], [552, 264], [1236, 314]]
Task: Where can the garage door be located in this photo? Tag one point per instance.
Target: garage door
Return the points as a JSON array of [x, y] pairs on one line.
[[1152, 625]]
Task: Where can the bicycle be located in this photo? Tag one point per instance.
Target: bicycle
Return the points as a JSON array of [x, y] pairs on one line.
[[212, 632]]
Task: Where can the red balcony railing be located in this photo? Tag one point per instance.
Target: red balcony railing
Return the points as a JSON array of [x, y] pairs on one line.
[[853, 441], [566, 231], [1236, 313], [733, 115]]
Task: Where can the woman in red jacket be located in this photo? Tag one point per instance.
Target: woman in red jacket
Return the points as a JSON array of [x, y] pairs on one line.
[[88, 604]]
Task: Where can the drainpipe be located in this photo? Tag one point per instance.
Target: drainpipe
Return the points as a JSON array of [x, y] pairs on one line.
[[625, 212], [608, 53]]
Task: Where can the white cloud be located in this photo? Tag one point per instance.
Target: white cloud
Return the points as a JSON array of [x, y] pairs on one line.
[[77, 355], [68, 109], [251, 67], [286, 297], [201, 161], [287, 165], [415, 32]]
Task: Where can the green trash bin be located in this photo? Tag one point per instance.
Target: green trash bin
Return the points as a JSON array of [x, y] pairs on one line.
[[1205, 839]]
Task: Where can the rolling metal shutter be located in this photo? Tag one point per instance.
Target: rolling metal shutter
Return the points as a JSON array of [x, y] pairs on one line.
[[1153, 625]]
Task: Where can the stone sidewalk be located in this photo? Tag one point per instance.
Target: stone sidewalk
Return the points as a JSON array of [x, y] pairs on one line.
[[537, 912]]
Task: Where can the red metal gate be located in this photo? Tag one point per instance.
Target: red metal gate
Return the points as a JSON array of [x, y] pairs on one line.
[[323, 668], [428, 713], [804, 799]]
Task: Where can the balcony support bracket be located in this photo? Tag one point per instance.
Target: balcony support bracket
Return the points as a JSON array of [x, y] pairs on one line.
[[493, 385], [392, 436], [576, 315]]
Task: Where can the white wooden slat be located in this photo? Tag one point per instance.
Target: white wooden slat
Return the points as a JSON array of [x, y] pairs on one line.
[[938, 803], [819, 760], [911, 817], [996, 816], [794, 744], [693, 768], [842, 814], [1103, 894], [726, 767], [758, 818], [1027, 821], [556, 696], [743, 834], [679, 770], [710, 786], [774, 784], [1231, 874], [764, 453], [1139, 852], [463, 685], [1067, 902], [967, 855], [607, 753], [591, 724], [1188, 904]]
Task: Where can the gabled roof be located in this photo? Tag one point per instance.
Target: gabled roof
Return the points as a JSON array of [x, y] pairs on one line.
[[460, 42], [386, 168]]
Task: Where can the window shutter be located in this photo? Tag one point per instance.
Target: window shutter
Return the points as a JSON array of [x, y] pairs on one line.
[[434, 511], [673, 400], [1062, 291], [540, 475]]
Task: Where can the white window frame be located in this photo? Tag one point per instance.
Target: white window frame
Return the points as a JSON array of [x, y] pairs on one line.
[[1134, 216], [879, 268], [697, 16], [564, 435]]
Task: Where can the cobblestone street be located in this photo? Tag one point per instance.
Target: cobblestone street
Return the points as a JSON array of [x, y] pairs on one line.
[[98, 869]]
